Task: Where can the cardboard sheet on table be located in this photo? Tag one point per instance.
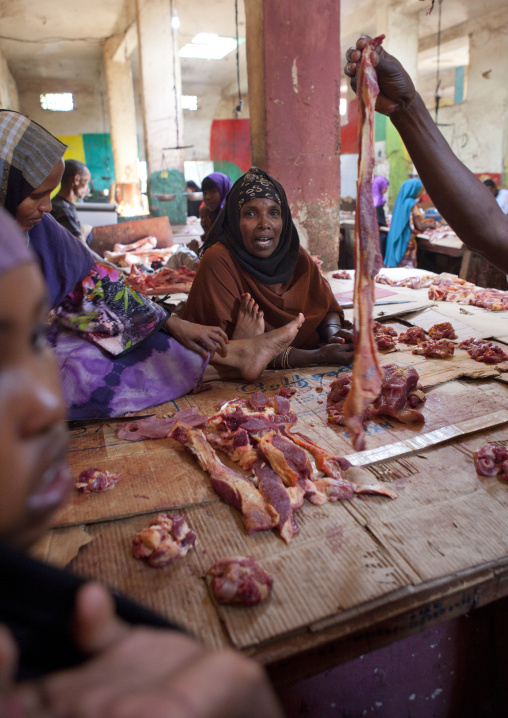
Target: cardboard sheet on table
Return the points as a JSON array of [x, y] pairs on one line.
[[163, 478], [437, 371], [177, 591], [333, 559], [381, 292], [463, 330], [449, 536]]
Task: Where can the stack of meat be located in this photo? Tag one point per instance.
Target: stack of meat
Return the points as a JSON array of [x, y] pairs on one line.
[[165, 281], [484, 351], [144, 251], [450, 288], [385, 337], [279, 468], [401, 396], [411, 282]]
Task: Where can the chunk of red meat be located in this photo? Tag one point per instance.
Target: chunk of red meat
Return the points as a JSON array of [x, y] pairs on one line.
[[166, 538], [154, 427], [440, 349], [491, 460], [240, 579], [443, 330], [96, 480], [484, 351], [413, 335]]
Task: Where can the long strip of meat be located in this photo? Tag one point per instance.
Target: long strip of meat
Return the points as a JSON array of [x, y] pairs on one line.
[[232, 487], [342, 480], [367, 373], [277, 495], [292, 464]]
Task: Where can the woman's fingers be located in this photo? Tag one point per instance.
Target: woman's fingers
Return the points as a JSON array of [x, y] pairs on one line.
[[8, 659], [95, 625]]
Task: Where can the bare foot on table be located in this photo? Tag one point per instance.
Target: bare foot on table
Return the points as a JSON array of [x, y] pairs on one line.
[[256, 353], [250, 322]]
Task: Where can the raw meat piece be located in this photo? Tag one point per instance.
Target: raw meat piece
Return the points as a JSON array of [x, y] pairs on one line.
[[443, 330], [153, 427], [400, 394], [165, 281], [384, 342], [491, 460], [385, 329], [236, 414], [367, 373], [96, 480], [480, 350], [341, 274], [146, 243], [292, 464], [240, 579], [450, 288], [331, 465], [276, 494], [410, 282], [236, 445], [440, 349], [166, 538], [413, 335], [363, 484], [232, 487], [286, 391]]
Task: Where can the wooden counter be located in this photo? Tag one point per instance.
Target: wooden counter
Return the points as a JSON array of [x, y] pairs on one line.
[[361, 573]]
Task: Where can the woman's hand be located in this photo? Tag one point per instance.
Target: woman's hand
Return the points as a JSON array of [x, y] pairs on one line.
[[197, 337], [336, 352], [397, 90], [139, 672]]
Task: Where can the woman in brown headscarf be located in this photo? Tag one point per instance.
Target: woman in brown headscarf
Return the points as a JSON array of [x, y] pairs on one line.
[[254, 276]]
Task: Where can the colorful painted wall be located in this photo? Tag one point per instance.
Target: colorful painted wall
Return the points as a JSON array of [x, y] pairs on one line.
[[230, 147], [94, 149]]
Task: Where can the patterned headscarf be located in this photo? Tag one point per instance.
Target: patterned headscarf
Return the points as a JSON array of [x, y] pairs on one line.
[[256, 186], [280, 265], [14, 249], [220, 181], [28, 153]]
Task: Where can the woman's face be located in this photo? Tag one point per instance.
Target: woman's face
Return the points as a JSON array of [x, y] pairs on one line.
[[34, 477], [261, 226], [33, 207], [211, 198]]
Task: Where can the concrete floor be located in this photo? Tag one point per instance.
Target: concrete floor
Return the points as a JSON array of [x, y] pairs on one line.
[[457, 669]]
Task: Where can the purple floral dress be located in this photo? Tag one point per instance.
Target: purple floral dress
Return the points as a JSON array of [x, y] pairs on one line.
[[113, 352]]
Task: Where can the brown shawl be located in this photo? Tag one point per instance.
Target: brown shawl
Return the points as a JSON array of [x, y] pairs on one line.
[[220, 281]]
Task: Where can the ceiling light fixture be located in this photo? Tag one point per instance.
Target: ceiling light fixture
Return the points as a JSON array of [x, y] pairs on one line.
[[208, 46], [175, 20]]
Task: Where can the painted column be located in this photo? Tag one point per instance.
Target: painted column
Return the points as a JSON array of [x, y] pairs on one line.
[[162, 110], [294, 66], [401, 30], [122, 114]]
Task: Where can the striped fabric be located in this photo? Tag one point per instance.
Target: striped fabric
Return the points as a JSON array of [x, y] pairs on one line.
[[28, 153]]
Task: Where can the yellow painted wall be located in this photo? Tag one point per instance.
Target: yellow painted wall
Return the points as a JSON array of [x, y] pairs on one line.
[[75, 151]]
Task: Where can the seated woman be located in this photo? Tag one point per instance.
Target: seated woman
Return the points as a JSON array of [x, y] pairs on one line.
[[65, 642], [407, 222], [254, 273], [379, 186], [215, 187], [118, 351]]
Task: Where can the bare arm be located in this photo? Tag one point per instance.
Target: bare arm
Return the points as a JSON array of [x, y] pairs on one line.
[[466, 204]]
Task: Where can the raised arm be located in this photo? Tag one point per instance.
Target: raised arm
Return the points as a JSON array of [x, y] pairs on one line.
[[466, 204]]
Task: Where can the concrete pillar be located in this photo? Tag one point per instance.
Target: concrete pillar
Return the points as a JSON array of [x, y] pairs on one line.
[[122, 114], [294, 67], [161, 85], [399, 22]]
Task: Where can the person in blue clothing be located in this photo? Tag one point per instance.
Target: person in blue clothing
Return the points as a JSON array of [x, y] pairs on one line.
[[407, 222]]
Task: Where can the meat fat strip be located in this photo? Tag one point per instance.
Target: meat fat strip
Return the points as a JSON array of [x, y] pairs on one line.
[[367, 373], [232, 487]]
